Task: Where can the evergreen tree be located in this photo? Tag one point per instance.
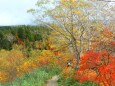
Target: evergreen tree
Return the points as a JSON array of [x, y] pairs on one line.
[[21, 34], [38, 37], [1, 35], [6, 44]]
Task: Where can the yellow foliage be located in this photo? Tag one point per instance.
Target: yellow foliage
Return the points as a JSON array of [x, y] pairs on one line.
[[69, 2], [83, 18], [47, 53], [44, 59], [13, 63], [78, 12]]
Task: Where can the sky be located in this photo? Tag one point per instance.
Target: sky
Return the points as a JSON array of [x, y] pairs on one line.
[[14, 12]]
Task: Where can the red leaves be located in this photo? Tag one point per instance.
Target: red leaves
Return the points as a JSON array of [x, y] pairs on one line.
[[101, 63], [102, 69], [19, 41], [89, 60], [113, 43]]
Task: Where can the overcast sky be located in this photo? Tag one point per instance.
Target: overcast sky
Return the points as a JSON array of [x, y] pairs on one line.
[[14, 12]]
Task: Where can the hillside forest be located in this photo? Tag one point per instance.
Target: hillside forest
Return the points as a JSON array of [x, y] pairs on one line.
[[73, 40]]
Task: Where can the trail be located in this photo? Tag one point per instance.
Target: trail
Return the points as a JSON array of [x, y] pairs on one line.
[[53, 81]]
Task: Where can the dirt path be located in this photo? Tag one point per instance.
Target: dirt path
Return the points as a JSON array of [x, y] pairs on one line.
[[53, 81]]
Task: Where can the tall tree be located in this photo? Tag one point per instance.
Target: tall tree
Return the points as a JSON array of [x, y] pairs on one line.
[[72, 20], [68, 18]]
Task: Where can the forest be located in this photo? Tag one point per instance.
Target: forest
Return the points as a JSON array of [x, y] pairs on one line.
[[73, 44]]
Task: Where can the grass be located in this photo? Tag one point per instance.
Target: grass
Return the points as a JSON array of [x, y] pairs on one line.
[[39, 77], [35, 78], [72, 82]]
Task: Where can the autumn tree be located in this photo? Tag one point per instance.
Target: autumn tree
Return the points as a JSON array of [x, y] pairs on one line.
[[72, 20], [68, 18]]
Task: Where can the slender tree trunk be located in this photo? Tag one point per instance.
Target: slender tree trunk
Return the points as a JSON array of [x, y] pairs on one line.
[[77, 53], [78, 60], [88, 48]]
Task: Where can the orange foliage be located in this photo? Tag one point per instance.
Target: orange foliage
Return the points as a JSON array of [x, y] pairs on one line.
[[83, 76], [43, 61], [105, 41], [3, 76], [9, 60], [67, 72]]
